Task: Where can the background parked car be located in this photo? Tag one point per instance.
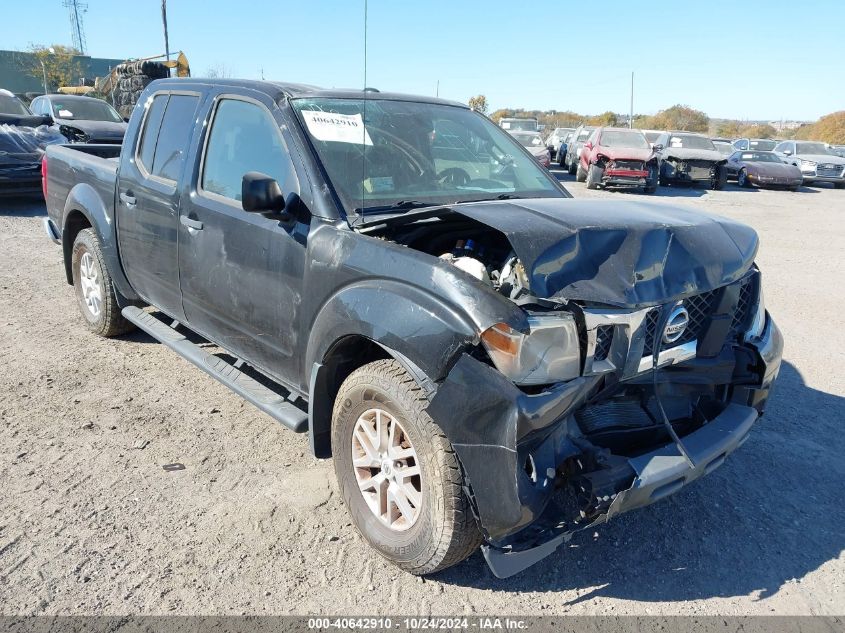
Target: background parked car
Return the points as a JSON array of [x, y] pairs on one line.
[[533, 142], [756, 144], [763, 169], [651, 135], [23, 137], [573, 148], [725, 147], [618, 157], [686, 157], [839, 150], [82, 119], [556, 138], [815, 160]]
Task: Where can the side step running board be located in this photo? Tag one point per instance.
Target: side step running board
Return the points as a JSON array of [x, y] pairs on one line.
[[271, 403]]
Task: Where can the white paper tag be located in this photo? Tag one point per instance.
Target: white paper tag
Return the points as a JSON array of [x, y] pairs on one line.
[[64, 114], [340, 128]]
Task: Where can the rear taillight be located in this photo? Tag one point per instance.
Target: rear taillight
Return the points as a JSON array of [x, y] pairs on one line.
[[44, 175]]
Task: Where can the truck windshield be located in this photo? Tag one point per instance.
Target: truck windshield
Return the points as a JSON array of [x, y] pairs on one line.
[[384, 156]]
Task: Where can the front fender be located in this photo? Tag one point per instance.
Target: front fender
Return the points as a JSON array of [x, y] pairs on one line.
[[398, 316], [84, 199]]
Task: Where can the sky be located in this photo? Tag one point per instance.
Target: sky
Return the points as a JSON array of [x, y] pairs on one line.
[[781, 59]]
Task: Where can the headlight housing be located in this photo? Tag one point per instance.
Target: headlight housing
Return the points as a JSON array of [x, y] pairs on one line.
[[74, 135], [758, 324], [549, 353]]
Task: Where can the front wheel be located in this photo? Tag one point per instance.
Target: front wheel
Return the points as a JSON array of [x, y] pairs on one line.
[[573, 166], [742, 178], [580, 174], [93, 285], [398, 473], [594, 176], [719, 178]]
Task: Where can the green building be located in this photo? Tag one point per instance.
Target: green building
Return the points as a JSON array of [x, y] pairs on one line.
[[16, 70]]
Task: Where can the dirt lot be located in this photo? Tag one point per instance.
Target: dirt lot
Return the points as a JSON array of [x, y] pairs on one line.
[[90, 522]]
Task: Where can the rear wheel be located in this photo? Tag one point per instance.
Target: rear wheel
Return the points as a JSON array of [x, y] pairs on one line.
[[594, 176], [398, 473], [93, 285]]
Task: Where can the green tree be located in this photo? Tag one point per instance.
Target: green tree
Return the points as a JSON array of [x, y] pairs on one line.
[[605, 118], [828, 129], [729, 129], [681, 117], [478, 103], [60, 64], [758, 131]]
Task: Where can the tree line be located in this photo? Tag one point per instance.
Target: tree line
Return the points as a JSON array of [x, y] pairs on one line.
[[828, 129]]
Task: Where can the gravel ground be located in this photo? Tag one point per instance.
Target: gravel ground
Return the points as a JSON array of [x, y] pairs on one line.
[[91, 523]]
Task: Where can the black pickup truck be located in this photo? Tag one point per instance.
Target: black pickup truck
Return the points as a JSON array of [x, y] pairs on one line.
[[489, 361]]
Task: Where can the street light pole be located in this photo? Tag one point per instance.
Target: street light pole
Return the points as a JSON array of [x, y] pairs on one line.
[[44, 72]]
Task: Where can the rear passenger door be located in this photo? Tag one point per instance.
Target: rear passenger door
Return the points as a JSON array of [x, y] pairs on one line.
[[147, 207], [241, 273]]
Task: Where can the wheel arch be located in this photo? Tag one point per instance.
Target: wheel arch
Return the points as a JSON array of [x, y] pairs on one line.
[[84, 208], [366, 323]]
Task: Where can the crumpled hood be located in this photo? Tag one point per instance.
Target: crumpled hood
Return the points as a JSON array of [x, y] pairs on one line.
[[626, 153], [620, 253], [96, 129], [538, 151], [685, 153]]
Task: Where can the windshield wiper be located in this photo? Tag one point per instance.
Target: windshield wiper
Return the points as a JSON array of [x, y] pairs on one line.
[[501, 196], [401, 205]]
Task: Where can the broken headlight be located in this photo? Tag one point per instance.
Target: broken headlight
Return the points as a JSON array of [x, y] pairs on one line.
[[72, 134], [759, 322], [549, 353]]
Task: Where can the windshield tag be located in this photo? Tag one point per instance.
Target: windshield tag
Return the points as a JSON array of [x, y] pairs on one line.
[[340, 128], [381, 184], [64, 114]]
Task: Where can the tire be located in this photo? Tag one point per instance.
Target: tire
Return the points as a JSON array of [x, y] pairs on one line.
[[573, 166], [443, 531], [594, 176], [839, 185], [742, 179], [652, 180], [792, 188], [580, 174], [94, 289], [717, 182]]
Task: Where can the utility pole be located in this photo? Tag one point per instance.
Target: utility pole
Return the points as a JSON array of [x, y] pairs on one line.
[[77, 32], [437, 89], [164, 22], [631, 117]]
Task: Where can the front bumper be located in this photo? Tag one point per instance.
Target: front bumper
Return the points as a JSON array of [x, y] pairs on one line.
[[775, 181], [511, 446]]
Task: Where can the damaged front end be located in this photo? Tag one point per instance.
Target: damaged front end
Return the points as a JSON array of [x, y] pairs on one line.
[[646, 358], [643, 419]]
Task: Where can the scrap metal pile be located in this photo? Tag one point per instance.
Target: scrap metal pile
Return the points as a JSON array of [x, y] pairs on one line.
[[128, 82]]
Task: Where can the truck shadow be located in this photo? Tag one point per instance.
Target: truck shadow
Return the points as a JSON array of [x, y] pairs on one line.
[[32, 207], [768, 517]]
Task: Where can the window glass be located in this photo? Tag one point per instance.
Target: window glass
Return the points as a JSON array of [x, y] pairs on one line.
[[244, 137], [174, 137], [147, 148]]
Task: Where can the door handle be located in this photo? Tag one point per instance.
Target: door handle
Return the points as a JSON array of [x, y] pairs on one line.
[[127, 199], [191, 224]]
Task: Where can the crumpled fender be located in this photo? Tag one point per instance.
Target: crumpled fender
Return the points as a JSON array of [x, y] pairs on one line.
[[83, 198]]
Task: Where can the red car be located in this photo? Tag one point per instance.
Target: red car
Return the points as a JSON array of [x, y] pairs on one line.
[[618, 157]]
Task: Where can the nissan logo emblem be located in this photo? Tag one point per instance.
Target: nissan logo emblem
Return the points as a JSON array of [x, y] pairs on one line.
[[676, 325]]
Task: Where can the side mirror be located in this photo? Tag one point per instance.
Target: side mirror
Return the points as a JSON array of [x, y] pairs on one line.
[[261, 194], [657, 146], [786, 152]]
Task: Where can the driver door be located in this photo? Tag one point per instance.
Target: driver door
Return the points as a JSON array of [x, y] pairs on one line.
[[241, 273]]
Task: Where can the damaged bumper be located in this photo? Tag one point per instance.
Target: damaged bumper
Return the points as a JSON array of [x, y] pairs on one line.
[[525, 457]]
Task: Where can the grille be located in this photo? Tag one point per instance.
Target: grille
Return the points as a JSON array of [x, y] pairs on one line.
[[627, 164], [831, 171], [700, 307], [745, 305], [604, 337]]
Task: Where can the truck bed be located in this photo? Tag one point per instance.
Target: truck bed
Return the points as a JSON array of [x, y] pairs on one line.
[[73, 165]]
